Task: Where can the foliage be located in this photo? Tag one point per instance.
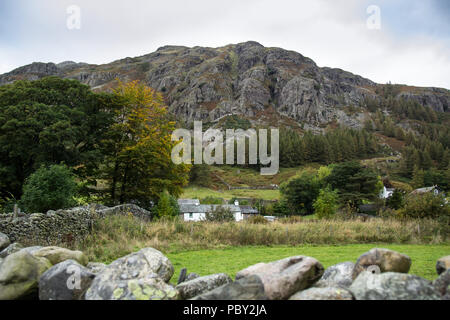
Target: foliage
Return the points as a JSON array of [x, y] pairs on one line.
[[219, 214], [335, 146], [200, 175], [426, 205], [396, 201], [49, 121], [211, 200], [354, 182], [167, 206], [326, 203], [138, 148], [257, 219], [301, 192], [49, 188]]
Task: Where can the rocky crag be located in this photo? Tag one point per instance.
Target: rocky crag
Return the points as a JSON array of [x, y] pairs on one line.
[[265, 85]]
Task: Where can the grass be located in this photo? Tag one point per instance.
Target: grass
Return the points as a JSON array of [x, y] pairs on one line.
[[231, 260], [117, 236], [201, 193]]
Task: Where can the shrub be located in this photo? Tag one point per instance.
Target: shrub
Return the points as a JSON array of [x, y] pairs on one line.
[[257, 219], [326, 203], [167, 206], [219, 214], [49, 188], [426, 206]]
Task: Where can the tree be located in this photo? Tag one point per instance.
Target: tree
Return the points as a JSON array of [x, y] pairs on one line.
[[219, 214], [354, 182], [47, 122], [395, 201], [167, 206], [418, 178], [138, 146], [326, 203], [49, 188], [300, 193]]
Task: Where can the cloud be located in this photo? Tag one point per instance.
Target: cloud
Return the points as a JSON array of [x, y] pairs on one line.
[[413, 46]]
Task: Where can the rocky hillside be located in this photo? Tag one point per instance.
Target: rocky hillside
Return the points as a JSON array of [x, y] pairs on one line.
[[261, 84]]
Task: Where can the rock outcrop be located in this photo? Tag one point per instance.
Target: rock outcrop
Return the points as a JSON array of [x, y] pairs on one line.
[[246, 79]]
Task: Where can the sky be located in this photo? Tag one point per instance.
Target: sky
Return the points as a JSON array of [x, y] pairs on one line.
[[408, 42]]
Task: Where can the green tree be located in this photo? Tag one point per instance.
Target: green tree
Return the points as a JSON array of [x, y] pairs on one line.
[[395, 201], [418, 177], [301, 192], [167, 206], [47, 122], [354, 182], [49, 188], [219, 214], [326, 203]]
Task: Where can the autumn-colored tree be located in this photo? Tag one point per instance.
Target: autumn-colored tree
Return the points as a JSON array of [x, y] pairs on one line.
[[139, 166]]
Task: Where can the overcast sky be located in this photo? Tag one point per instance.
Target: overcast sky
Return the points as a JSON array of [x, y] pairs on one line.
[[412, 46]]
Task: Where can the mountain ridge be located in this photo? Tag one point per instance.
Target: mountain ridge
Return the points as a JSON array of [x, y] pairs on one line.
[[263, 84]]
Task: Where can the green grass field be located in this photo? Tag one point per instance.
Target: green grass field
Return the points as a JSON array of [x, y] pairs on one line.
[[232, 260], [201, 193]]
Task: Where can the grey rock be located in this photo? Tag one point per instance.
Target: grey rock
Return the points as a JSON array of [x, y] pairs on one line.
[[443, 264], [392, 286], [56, 255], [19, 275], [245, 79], [338, 274], [67, 280], [191, 276], [442, 283], [327, 293], [247, 288], [4, 241], [192, 288], [12, 248], [96, 267], [140, 275], [387, 260], [285, 277]]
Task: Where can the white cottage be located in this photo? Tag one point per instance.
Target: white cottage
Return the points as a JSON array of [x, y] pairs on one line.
[[197, 212]]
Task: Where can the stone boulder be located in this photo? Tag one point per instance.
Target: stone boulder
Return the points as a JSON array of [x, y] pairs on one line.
[[151, 287], [195, 287], [57, 255], [12, 248], [248, 288], [392, 286], [327, 293], [340, 274], [19, 275], [285, 277], [67, 280], [192, 276], [96, 267], [4, 241], [442, 283], [140, 275], [443, 264], [387, 260]]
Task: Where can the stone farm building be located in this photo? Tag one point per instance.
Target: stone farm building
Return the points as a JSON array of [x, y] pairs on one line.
[[192, 210]]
